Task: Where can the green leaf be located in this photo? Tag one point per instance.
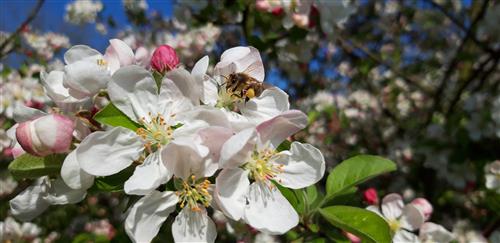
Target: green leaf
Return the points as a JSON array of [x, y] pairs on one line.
[[356, 170], [285, 145], [28, 166], [294, 197], [361, 222], [110, 115], [112, 183]]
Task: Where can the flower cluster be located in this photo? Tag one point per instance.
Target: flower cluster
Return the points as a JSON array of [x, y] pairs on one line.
[[405, 220], [192, 140], [83, 11]]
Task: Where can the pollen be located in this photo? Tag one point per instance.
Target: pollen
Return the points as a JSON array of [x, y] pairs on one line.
[[155, 132], [194, 194], [394, 225], [102, 62], [262, 167]]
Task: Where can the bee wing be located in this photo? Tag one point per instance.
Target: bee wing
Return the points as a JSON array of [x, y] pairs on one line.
[[256, 71]]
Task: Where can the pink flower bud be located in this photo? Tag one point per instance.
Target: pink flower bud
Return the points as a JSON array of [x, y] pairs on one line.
[[423, 206], [164, 59], [370, 196], [46, 135], [262, 5], [352, 238]]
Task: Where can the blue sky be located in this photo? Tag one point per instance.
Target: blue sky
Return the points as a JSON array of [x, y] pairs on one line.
[[51, 18]]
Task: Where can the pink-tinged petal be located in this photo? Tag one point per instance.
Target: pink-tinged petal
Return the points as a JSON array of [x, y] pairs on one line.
[[236, 149], [272, 102], [392, 206], [241, 59], [424, 206], [29, 203], [303, 166], [214, 137], [411, 218], [268, 210], [431, 232], [109, 152], [142, 57], [118, 54], [73, 175], [23, 136], [147, 176], [281, 127], [80, 52], [148, 214], [193, 226], [185, 156], [133, 90], [187, 84], [64, 132], [231, 189]]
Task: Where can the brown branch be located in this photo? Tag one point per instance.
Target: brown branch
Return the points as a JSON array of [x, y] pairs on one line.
[[451, 67], [462, 26], [379, 60], [28, 20]]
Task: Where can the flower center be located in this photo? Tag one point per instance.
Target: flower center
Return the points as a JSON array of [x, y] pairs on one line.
[[261, 166], [193, 193], [155, 133], [227, 99], [101, 62], [394, 225]]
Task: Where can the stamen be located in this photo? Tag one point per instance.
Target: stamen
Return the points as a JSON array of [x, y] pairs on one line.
[[194, 194], [261, 166]]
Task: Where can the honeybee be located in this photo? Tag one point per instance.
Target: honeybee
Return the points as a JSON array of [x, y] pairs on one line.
[[244, 86]]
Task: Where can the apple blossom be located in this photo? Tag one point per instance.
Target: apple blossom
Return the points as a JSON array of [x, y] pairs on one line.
[[12, 231], [492, 175], [402, 219], [424, 206], [164, 59], [431, 232], [250, 165], [191, 168], [159, 113]]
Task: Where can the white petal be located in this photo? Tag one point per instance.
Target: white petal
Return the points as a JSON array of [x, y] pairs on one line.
[[107, 153], [303, 166], [142, 57], [209, 115], [210, 92], [58, 193], [188, 85], [269, 211], [236, 149], [411, 218], [231, 189], [431, 232], [133, 90], [29, 203], [270, 103], [85, 79], [200, 68], [185, 156], [53, 84], [23, 113], [73, 175], [402, 236], [192, 226], [282, 126], [392, 206], [148, 214], [239, 122], [241, 60], [80, 52], [119, 54], [147, 176]]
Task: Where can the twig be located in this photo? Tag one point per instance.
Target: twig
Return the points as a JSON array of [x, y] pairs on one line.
[[451, 67], [379, 60], [461, 25], [28, 20]]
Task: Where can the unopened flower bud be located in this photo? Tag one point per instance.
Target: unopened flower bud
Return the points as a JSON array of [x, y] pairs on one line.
[[424, 206], [46, 135], [164, 59], [370, 196], [352, 238]]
